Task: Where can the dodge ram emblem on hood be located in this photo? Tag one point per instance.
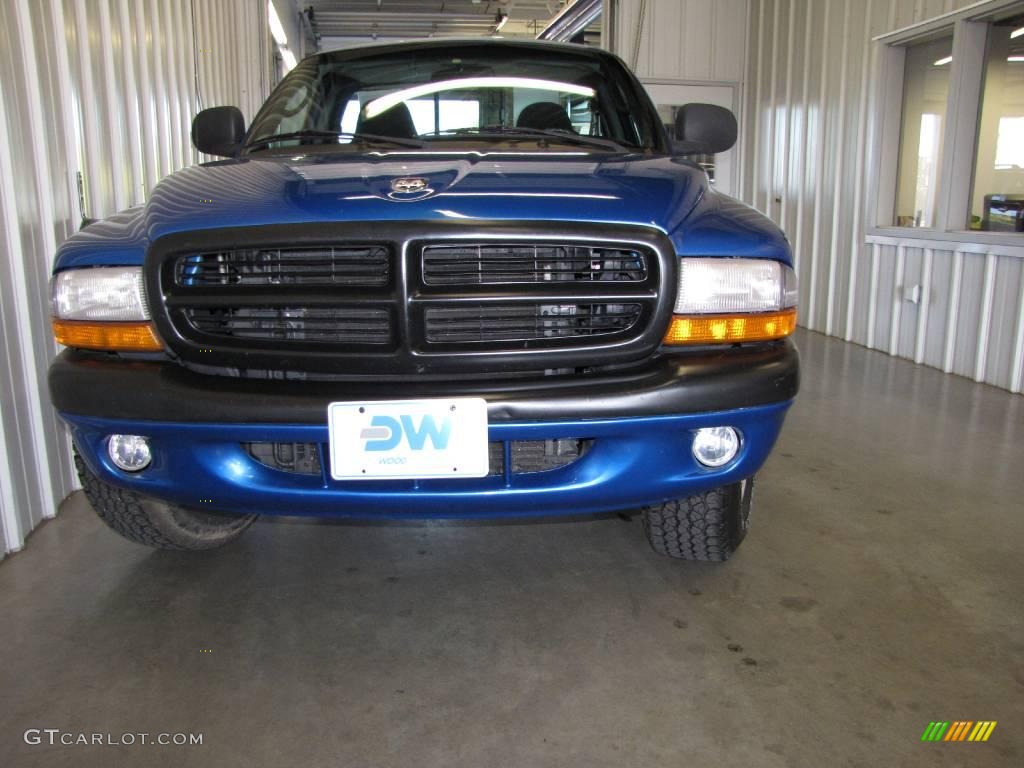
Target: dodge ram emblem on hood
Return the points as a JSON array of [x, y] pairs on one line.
[[407, 185]]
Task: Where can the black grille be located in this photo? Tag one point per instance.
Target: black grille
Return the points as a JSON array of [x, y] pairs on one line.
[[530, 322], [322, 325], [366, 265], [408, 299], [297, 458], [491, 264]]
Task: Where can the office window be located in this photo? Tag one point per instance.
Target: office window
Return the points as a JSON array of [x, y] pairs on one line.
[[950, 127], [922, 127], [997, 197]]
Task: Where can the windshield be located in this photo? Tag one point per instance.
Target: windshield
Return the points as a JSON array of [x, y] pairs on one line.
[[460, 92]]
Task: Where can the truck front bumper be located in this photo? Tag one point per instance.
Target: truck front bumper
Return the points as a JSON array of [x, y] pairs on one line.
[[641, 425]]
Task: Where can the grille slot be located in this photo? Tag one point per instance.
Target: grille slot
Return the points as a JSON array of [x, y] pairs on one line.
[[530, 456], [357, 265], [527, 322], [319, 325], [491, 264], [297, 458]]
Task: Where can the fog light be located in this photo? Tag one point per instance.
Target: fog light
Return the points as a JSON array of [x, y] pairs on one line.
[[716, 446], [129, 452]]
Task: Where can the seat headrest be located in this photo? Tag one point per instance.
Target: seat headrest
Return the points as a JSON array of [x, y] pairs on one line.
[[544, 115], [396, 122]]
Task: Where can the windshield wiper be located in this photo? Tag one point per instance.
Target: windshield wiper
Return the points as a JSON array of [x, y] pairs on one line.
[[310, 133], [492, 131]]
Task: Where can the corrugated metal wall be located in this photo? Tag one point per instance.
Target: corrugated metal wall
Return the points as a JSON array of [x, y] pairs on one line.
[[690, 40], [105, 88], [812, 86]]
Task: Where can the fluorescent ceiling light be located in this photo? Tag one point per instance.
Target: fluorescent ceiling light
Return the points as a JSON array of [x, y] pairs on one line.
[[943, 61], [1017, 32], [276, 29], [502, 20], [1015, 58], [289, 59], [384, 103]]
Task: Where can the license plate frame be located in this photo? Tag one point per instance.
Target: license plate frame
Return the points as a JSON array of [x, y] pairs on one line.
[[418, 439]]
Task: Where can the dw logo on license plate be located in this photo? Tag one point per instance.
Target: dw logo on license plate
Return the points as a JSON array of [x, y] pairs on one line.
[[408, 439]]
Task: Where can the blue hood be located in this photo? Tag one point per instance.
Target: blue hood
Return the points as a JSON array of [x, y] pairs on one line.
[[660, 192]]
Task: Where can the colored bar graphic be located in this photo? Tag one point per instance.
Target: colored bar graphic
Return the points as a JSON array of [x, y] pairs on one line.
[[958, 730], [982, 730]]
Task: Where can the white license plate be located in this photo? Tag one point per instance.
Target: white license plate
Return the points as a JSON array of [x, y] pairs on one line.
[[408, 439]]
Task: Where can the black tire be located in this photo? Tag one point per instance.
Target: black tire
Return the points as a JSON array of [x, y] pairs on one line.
[[706, 527], [156, 523]]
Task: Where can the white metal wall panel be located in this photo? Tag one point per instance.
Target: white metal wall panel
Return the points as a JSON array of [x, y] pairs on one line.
[[690, 40], [105, 88], [811, 87]]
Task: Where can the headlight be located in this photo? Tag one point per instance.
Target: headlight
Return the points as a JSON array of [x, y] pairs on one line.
[[102, 308], [734, 285], [100, 293], [729, 301]]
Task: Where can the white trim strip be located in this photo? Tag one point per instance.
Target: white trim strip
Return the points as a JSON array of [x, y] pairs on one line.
[[873, 298], [953, 310], [24, 272], [770, 143], [922, 308], [805, 149], [837, 188], [787, 177], [1017, 368], [859, 173], [897, 300], [818, 170], [985, 326], [13, 530]]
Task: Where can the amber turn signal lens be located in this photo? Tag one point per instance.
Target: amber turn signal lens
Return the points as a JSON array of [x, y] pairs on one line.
[[114, 337], [730, 329]]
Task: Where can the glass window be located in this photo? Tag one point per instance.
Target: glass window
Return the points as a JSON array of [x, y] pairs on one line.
[[925, 93], [459, 93], [997, 198]]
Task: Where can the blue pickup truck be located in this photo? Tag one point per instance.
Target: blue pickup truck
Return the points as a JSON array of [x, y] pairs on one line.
[[432, 279]]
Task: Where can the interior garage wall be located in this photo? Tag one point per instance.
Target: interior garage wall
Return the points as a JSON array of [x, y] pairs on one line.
[[101, 91], [812, 86], [698, 41]]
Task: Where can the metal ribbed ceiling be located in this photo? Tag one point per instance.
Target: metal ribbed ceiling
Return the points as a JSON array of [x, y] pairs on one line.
[[428, 18]]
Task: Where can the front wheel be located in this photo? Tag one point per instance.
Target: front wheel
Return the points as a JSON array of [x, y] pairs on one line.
[[706, 527], [156, 523]]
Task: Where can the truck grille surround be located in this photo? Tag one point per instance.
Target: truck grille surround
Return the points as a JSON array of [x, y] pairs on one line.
[[405, 299]]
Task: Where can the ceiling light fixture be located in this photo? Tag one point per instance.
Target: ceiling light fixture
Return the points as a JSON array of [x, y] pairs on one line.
[[500, 21], [943, 61], [1017, 32], [1015, 58]]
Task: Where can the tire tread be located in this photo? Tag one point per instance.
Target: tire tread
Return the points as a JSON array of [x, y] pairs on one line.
[[156, 525], [707, 527]]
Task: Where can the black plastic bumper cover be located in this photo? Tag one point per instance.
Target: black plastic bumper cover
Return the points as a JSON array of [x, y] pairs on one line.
[[695, 382]]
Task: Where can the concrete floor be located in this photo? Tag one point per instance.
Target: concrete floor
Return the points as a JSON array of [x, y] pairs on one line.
[[879, 589]]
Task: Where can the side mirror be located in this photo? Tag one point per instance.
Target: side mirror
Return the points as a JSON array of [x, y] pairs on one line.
[[704, 129], [218, 131]]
